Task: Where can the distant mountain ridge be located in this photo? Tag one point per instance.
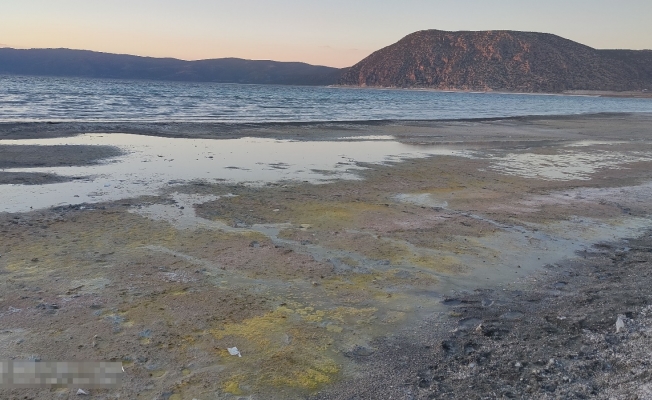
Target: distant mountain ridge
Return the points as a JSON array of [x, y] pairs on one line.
[[84, 63], [466, 60], [500, 60]]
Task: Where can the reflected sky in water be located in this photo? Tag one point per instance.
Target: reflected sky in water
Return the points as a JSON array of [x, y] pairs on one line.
[[153, 163]]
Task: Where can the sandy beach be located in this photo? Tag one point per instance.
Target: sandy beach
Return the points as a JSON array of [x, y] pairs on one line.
[[473, 259]]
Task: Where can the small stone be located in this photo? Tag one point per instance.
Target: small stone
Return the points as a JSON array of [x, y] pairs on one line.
[[81, 392], [620, 323]]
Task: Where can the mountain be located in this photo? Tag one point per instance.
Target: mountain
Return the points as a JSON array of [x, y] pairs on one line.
[[500, 60], [484, 61], [82, 63]]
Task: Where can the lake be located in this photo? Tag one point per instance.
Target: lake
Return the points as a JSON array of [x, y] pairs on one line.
[[28, 99]]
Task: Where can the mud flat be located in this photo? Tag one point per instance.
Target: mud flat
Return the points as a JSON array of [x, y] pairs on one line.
[[473, 259], [26, 156]]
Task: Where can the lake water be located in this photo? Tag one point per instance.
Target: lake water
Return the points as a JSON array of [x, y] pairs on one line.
[[24, 99], [154, 163], [151, 164]]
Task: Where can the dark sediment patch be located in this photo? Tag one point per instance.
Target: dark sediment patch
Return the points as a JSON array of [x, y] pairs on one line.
[[37, 156], [33, 156], [30, 178]]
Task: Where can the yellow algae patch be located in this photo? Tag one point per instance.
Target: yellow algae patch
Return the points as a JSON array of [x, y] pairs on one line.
[[288, 347], [378, 248], [396, 252], [334, 328], [309, 314], [353, 288], [158, 373], [351, 315], [273, 207], [447, 264], [310, 378], [232, 386], [330, 215], [314, 215], [375, 286]]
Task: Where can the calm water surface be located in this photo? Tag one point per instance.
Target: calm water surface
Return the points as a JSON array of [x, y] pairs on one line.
[[25, 99]]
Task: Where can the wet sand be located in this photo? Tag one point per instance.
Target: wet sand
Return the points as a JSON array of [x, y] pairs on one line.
[[26, 156], [424, 277], [500, 129]]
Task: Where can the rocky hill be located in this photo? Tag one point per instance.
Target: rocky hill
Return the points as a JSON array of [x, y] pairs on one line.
[[500, 60], [82, 63]]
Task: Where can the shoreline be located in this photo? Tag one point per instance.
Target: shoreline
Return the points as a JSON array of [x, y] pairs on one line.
[[350, 286], [582, 93], [210, 130]]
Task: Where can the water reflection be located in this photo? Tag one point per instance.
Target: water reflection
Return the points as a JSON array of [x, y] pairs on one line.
[[153, 163]]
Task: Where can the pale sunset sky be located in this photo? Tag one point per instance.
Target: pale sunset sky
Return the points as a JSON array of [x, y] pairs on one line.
[[337, 33]]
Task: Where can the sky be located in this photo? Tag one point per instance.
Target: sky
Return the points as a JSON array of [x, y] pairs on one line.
[[336, 33]]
